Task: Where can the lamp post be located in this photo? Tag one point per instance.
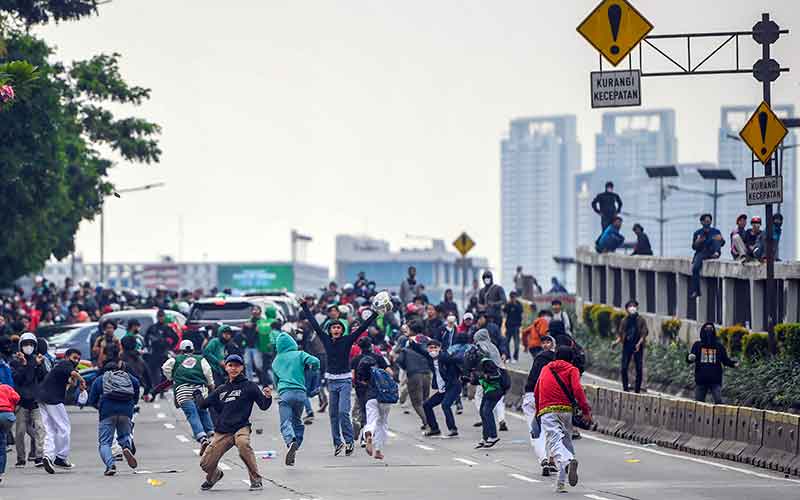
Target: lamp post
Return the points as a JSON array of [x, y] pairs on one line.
[[715, 174], [116, 193], [660, 173]]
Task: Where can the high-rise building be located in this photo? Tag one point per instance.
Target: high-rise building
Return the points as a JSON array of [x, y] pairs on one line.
[[735, 156], [539, 159]]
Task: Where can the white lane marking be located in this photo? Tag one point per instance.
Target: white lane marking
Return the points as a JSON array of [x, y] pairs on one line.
[[157, 406], [182, 438], [161, 415], [196, 451], [489, 486], [169, 426], [423, 447], [224, 466], [524, 478], [596, 497], [465, 461], [391, 434]]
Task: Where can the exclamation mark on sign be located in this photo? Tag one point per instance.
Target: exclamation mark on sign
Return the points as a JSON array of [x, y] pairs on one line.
[[615, 18], [762, 124]]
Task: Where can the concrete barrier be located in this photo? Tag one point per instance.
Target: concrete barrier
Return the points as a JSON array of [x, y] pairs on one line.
[[627, 415], [780, 441], [644, 428], [702, 440], [670, 427], [724, 428], [750, 431], [686, 413]]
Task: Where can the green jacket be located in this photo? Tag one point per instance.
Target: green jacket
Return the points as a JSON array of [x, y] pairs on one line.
[[289, 367], [215, 353], [266, 335]]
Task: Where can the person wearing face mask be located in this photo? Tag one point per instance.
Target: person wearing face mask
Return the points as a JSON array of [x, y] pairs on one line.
[[492, 298], [29, 370], [445, 382], [708, 355], [706, 243], [632, 334], [52, 393]]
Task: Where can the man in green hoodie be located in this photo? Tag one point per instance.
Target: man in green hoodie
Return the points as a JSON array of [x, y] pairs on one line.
[[215, 353], [289, 370], [267, 333]]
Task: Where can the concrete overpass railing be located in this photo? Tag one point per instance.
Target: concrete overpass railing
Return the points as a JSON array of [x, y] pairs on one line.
[[732, 293]]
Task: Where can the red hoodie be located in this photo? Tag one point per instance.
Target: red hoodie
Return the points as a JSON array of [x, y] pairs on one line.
[[8, 398], [550, 398]]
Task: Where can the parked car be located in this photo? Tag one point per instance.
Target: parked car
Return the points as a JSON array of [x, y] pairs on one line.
[[285, 301], [146, 318], [77, 338], [233, 311], [45, 332]]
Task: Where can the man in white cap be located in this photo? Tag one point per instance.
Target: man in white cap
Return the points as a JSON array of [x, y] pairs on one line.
[[191, 372]]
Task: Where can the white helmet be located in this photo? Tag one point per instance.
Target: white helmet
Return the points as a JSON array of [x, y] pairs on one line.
[[184, 307], [348, 287], [382, 302], [186, 344]]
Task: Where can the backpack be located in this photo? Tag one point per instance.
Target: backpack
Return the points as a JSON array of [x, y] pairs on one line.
[[458, 352], [117, 385], [386, 388]]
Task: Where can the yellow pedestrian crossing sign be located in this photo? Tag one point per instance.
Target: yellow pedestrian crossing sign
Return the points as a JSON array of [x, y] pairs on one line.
[[763, 132], [464, 244], [614, 28]]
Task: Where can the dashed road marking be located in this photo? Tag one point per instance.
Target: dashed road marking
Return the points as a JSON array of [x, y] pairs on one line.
[[391, 434], [423, 447], [466, 462], [224, 466], [196, 451], [182, 438], [596, 497], [157, 406], [161, 415], [489, 486], [524, 478], [169, 426]]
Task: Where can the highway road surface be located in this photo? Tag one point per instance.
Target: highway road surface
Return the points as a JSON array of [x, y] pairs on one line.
[[415, 467]]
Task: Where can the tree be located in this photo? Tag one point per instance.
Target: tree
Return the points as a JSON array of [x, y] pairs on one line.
[[53, 174]]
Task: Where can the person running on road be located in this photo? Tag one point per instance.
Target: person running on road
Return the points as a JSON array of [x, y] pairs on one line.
[[289, 370], [381, 393], [233, 402], [215, 352], [445, 382], [545, 356], [115, 394], [493, 382], [339, 376], [361, 385], [191, 372], [28, 370], [8, 405], [488, 345], [554, 408]]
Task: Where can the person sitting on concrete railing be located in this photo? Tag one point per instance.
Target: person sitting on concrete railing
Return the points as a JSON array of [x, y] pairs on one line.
[[642, 246], [760, 244], [708, 355], [739, 250], [611, 239], [706, 243]]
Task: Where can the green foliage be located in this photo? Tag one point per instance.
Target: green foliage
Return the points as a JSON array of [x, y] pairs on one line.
[[788, 338], [755, 346], [32, 12], [586, 315], [731, 337], [601, 320], [55, 147], [17, 74], [773, 384], [616, 318], [670, 329]]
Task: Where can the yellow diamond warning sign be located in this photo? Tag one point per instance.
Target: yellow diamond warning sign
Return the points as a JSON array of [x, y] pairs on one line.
[[615, 28], [464, 244], [763, 132]]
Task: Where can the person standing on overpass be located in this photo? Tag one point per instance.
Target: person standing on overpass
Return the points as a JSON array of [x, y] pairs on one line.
[[607, 205]]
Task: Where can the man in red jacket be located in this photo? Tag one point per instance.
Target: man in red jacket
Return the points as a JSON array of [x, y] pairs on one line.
[[554, 408]]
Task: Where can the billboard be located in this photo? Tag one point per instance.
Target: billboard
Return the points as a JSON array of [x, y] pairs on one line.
[[255, 277]]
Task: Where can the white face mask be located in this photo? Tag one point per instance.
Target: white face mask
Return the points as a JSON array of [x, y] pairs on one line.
[[27, 350], [434, 354], [632, 310], [487, 281]]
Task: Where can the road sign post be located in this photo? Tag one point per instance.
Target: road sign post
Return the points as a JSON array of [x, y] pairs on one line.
[[464, 244]]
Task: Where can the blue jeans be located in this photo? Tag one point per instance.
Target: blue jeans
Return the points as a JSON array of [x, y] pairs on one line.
[[307, 405], [290, 409], [105, 436], [252, 363], [7, 420], [340, 410], [697, 266], [199, 420], [446, 399]]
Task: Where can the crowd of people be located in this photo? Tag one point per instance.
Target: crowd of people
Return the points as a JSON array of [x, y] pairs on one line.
[[359, 351]]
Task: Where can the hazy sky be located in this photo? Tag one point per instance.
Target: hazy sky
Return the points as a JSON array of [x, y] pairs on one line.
[[356, 116]]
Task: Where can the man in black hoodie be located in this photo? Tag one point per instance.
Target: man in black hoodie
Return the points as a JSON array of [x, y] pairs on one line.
[[233, 402], [492, 298], [708, 356], [28, 370], [607, 205]]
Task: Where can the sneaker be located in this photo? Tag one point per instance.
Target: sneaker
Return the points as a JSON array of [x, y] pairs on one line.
[[545, 471], [368, 443], [203, 445], [207, 485], [423, 427], [128, 454], [480, 444], [348, 450], [572, 472], [38, 462], [561, 487], [503, 427], [290, 452], [48, 465], [491, 442], [256, 486], [432, 433], [309, 419], [477, 424], [453, 433], [338, 450], [110, 471], [459, 410], [20, 464], [378, 455], [63, 463], [576, 435]]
